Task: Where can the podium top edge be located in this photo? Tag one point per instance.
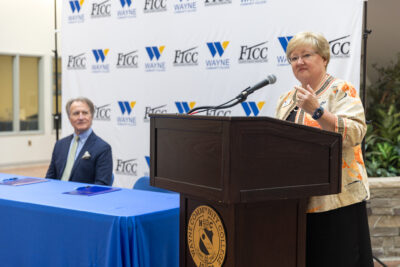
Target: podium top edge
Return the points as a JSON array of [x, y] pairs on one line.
[[218, 118], [238, 119], [205, 117]]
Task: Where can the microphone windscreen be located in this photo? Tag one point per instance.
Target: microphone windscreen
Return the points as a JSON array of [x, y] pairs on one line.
[[271, 78]]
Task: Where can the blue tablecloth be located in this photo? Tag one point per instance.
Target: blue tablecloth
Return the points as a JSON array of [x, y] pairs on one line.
[[41, 226]]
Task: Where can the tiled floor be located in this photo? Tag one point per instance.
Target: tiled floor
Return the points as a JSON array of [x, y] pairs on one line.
[[40, 171], [31, 170], [388, 263]]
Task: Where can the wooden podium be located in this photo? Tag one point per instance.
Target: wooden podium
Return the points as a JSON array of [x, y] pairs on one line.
[[244, 184]]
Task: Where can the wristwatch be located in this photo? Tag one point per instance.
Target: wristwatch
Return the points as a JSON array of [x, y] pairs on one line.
[[318, 113]]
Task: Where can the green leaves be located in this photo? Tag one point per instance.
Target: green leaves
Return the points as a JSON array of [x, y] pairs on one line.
[[382, 157], [383, 135]]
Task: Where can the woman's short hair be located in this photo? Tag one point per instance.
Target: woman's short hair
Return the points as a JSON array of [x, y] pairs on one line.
[[80, 99], [316, 40]]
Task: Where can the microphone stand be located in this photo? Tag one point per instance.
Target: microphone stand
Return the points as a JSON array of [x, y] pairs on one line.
[[239, 99]]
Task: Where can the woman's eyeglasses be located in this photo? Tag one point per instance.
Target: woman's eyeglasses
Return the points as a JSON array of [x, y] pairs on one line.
[[304, 57]]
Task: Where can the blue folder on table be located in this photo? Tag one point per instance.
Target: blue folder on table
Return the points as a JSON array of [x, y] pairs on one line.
[[21, 181], [91, 190]]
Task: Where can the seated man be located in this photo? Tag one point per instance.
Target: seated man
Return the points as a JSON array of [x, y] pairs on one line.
[[83, 156]]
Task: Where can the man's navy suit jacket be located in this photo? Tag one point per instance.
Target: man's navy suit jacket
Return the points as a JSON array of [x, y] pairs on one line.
[[96, 169]]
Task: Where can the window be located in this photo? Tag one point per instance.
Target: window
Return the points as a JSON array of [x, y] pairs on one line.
[[20, 93], [6, 92], [29, 93]]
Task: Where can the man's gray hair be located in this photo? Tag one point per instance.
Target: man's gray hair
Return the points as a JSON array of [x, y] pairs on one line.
[[80, 99]]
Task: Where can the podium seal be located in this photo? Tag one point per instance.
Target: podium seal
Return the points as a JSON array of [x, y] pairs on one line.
[[206, 237]]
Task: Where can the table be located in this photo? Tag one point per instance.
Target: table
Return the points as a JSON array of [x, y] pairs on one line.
[[41, 226]]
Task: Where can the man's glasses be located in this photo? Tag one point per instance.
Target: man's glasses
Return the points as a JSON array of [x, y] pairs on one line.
[[304, 57]]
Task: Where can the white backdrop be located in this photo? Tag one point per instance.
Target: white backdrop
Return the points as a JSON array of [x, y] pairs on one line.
[[134, 57]]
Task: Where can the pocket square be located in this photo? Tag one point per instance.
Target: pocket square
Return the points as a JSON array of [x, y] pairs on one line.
[[86, 155]]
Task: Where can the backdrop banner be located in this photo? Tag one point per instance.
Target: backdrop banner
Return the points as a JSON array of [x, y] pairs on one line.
[[132, 58]]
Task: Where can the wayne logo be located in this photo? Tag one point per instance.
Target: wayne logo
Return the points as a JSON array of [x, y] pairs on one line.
[[217, 50], [282, 60], [252, 2], [184, 107], [154, 110], [126, 167], [254, 54], [102, 113], [77, 16], [188, 57], [251, 107], [76, 62], [340, 47], [154, 54], [147, 158], [128, 60], [185, 6], [127, 11], [127, 118], [101, 9], [151, 6], [100, 56], [216, 2]]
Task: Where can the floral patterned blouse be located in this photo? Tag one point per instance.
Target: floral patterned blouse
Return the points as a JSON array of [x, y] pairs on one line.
[[341, 99]]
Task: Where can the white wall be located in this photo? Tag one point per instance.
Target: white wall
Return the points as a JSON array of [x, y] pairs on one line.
[[27, 28]]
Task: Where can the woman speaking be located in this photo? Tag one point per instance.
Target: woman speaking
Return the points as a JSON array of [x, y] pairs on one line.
[[337, 225]]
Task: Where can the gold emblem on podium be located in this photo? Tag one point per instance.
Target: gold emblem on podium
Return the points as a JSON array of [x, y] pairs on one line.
[[206, 237]]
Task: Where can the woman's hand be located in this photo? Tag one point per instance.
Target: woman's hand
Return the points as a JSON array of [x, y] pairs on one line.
[[307, 99]]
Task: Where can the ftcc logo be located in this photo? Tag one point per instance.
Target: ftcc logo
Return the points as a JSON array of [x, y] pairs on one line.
[[217, 2], [126, 167], [101, 10], [284, 40], [254, 54], [185, 6], [102, 113], [340, 47], [127, 11], [154, 110], [250, 107], [128, 60], [220, 112], [127, 119], [100, 56], [76, 62], [151, 6], [155, 52], [217, 48], [184, 107], [76, 7], [188, 57]]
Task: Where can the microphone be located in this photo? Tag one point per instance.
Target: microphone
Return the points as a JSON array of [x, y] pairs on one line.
[[239, 99], [271, 79]]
